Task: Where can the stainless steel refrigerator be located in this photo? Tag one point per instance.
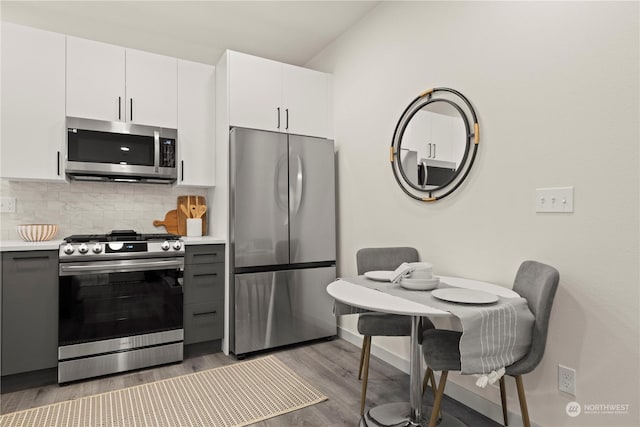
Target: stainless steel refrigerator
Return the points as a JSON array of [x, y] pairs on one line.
[[282, 237]]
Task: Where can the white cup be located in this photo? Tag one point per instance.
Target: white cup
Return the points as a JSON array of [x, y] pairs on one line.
[[194, 227], [423, 270]]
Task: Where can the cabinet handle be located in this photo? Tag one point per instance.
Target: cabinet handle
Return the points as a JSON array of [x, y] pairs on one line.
[[58, 163], [429, 145], [434, 151], [287, 119], [181, 170], [278, 127], [204, 313], [119, 108], [205, 274], [206, 254], [30, 258], [131, 109]]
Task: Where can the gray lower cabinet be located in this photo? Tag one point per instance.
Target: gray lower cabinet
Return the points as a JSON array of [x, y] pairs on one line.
[[203, 293], [29, 311]]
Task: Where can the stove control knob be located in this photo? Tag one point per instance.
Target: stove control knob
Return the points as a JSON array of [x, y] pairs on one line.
[[97, 248], [83, 249], [165, 245], [69, 249], [177, 245]]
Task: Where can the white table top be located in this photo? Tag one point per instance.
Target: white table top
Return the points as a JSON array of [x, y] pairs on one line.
[[370, 299]]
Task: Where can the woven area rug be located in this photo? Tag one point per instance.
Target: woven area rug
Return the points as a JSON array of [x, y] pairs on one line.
[[234, 395]]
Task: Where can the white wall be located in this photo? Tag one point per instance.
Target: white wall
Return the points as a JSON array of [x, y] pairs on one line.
[[556, 89]]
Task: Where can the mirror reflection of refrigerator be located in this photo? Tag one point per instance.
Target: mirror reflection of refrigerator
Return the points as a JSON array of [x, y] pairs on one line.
[[282, 237]]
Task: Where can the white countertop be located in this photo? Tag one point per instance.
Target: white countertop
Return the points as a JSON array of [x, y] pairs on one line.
[[20, 245], [204, 240]]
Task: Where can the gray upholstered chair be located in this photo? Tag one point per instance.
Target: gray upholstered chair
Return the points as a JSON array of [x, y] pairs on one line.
[[381, 324], [535, 282]]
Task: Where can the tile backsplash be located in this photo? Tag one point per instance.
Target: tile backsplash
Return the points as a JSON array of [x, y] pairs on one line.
[[89, 207]]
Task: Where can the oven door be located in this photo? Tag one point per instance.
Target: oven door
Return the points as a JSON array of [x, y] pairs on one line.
[[101, 300]]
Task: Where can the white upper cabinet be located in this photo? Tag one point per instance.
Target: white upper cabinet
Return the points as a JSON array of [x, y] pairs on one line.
[[270, 95], [196, 124], [95, 80], [106, 82], [33, 114], [305, 98], [152, 89], [255, 87]]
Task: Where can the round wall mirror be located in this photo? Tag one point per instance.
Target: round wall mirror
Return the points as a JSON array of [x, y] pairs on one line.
[[434, 144]]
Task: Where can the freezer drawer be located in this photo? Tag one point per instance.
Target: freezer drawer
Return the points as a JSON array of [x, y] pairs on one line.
[[283, 307]]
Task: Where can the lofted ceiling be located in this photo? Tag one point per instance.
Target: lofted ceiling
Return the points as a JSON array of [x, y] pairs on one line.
[[287, 31]]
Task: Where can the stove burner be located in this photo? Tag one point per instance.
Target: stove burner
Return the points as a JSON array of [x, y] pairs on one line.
[[120, 236]]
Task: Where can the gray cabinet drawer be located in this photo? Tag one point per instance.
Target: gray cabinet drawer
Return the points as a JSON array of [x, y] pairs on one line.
[[204, 254], [203, 322], [203, 283]]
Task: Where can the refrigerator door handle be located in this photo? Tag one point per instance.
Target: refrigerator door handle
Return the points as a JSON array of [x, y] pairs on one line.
[[278, 190], [297, 181]]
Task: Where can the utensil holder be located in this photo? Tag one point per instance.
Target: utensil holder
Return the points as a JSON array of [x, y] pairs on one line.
[[194, 227]]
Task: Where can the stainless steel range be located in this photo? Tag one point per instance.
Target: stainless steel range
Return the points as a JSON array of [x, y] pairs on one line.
[[120, 303]]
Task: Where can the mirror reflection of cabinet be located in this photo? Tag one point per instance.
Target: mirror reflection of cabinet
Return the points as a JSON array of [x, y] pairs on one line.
[[434, 144]]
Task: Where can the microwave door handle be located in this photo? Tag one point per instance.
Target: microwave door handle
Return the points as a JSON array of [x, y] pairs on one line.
[[156, 144]]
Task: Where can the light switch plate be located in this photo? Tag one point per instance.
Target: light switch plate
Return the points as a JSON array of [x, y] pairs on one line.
[[7, 204], [557, 199]]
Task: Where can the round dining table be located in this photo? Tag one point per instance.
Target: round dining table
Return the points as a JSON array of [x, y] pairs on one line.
[[406, 413]]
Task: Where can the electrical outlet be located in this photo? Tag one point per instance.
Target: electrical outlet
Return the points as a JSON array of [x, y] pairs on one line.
[[7, 204], [567, 380]]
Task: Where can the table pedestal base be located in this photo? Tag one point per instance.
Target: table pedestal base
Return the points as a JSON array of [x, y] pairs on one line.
[[397, 415]]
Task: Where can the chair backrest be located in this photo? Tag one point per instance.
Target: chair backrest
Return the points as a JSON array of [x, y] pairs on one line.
[[537, 283], [369, 259]]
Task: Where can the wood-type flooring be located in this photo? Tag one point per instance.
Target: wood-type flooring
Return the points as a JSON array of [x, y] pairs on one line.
[[331, 366]]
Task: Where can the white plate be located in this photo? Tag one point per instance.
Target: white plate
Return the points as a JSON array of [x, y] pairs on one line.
[[420, 284], [379, 275], [465, 296]]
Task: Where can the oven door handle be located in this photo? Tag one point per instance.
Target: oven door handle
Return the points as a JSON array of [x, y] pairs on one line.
[[119, 266]]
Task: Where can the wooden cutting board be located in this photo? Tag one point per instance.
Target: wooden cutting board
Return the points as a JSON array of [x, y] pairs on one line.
[[170, 222], [188, 202]]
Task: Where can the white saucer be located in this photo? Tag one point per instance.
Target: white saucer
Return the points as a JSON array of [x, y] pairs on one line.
[[419, 284], [464, 296], [379, 275]]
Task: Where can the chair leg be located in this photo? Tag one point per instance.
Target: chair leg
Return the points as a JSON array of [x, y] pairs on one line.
[[366, 343], [523, 402], [365, 368], [503, 398], [438, 400], [425, 380]]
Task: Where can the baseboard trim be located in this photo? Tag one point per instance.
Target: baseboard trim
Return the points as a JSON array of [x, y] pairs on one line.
[[474, 401]]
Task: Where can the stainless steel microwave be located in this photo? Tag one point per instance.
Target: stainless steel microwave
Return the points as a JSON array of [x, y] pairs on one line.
[[120, 152]]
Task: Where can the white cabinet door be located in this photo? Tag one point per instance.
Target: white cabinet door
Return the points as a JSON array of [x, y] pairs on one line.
[[152, 89], [305, 99], [441, 130], [196, 120], [255, 92], [33, 107], [95, 80]]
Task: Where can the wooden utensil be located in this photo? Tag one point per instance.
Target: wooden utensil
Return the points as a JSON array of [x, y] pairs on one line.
[[182, 215], [201, 201], [183, 208], [194, 211], [170, 222], [202, 209]]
